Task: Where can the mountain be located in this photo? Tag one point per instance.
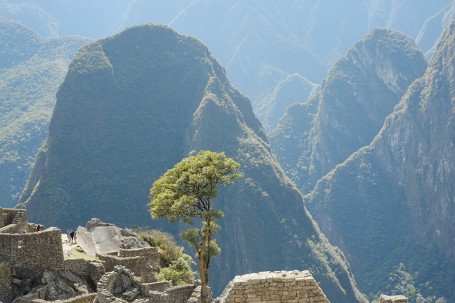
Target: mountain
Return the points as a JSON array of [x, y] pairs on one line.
[[260, 43], [391, 204], [359, 92], [132, 106], [31, 70], [293, 89], [434, 26]]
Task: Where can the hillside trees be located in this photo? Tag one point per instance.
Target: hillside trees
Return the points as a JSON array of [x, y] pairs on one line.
[[186, 193]]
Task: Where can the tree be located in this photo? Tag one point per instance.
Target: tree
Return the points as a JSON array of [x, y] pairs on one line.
[[186, 193]]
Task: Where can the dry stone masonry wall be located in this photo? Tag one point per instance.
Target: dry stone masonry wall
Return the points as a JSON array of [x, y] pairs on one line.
[[393, 299], [273, 287]]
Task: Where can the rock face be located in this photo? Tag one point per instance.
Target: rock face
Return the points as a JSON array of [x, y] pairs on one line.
[[394, 199], [31, 70], [97, 237], [359, 92], [135, 104]]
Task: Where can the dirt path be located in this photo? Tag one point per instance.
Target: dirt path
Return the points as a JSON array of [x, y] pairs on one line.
[[67, 246]]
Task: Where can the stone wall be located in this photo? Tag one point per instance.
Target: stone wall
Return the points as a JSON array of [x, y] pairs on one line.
[[85, 268], [138, 264], [272, 287], [393, 299], [10, 229], [155, 286], [180, 294], [7, 215], [5, 282], [36, 250], [86, 298], [135, 264], [151, 255]]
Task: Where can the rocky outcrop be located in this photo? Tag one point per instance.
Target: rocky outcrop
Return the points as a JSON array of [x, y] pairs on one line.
[[99, 237], [360, 91]]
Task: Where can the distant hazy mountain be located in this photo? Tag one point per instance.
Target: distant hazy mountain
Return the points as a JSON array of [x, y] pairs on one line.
[[293, 89], [393, 201], [31, 70], [359, 92], [434, 26], [132, 106], [260, 43]]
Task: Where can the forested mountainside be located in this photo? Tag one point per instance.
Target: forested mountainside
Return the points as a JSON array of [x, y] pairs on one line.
[[391, 204], [31, 70], [359, 92], [133, 105], [260, 43]]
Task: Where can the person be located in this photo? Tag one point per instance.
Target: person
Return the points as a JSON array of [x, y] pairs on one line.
[[68, 234], [72, 235], [38, 227]]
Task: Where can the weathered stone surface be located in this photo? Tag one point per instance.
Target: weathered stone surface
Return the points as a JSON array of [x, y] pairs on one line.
[[130, 242], [99, 237], [95, 222], [393, 299], [271, 287]]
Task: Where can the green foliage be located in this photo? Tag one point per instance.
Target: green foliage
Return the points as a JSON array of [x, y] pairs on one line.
[[194, 236], [31, 71], [175, 265], [165, 242], [178, 272], [185, 191]]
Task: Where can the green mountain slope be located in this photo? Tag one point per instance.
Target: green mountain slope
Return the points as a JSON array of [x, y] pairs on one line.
[[393, 201], [31, 70], [359, 92], [133, 105]]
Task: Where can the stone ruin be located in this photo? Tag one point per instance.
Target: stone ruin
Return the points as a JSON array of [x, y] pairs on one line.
[[393, 299], [33, 269], [121, 285], [270, 287]]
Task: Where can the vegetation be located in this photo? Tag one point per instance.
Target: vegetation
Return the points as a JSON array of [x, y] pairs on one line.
[[175, 265], [31, 71], [186, 193]]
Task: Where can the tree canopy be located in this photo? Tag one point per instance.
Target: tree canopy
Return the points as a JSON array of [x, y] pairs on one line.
[[186, 192]]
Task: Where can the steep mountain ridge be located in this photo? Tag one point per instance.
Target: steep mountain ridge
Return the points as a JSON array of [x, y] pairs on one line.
[[31, 70], [361, 89], [260, 43], [133, 105], [293, 89], [399, 189]]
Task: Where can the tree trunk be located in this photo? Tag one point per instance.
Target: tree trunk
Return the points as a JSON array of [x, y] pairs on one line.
[[204, 280], [204, 264]]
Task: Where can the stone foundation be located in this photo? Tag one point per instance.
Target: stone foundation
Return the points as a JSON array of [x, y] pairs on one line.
[[41, 249], [87, 298], [272, 287], [143, 262], [393, 299]]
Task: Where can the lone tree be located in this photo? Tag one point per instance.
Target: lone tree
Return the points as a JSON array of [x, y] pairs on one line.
[[185, 193]]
